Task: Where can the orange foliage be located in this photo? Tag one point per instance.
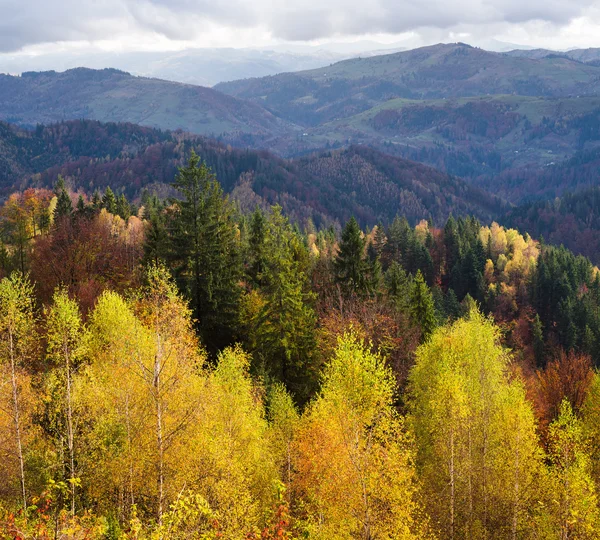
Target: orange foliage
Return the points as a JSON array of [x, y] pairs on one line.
[[567, 376]]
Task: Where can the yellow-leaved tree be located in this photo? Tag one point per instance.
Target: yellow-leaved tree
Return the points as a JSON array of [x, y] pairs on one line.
[[18, 341], [478, 455], [354, 474]]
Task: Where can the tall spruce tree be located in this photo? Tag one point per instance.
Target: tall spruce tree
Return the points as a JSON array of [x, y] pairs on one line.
[[207, 253], [109, 201], [64, 206], [351, 265], [422, 308], [284, 328]]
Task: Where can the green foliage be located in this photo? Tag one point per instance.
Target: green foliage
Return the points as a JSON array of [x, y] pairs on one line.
[[282, 320], [422, 309], [207, 253], [351, 265]]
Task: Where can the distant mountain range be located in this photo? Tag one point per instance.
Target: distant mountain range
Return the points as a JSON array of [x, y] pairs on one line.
[[502, 121], [113, 95], [328, 187]]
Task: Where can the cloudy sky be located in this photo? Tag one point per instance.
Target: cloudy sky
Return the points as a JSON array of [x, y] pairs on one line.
[[41, 26]]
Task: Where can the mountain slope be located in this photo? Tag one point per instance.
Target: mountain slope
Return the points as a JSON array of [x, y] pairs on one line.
[[112, 95], [573, 221], [440, 71], [327, 187]]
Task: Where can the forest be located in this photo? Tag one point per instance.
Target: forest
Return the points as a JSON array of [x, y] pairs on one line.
[[183, 368]]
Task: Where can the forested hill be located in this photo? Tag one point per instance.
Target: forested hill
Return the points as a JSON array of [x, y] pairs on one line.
[[572, 220], [328, 187], [439, 71], [113, 95], [182, 370]]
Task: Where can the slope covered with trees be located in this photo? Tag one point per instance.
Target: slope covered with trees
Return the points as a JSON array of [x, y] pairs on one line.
[[439, 71], [111, 95], [572, 221], [182, 369], [327, 187]]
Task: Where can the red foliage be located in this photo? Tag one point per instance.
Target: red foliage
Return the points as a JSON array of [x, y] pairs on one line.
[[567, 376], [87, 257]]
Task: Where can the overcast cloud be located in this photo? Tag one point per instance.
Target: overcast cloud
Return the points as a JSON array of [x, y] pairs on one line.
[[131, 24]]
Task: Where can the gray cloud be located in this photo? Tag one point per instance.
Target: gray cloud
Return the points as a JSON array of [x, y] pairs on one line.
[[27, 22]]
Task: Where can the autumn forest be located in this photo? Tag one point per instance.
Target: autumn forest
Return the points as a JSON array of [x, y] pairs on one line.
[[182, 368]]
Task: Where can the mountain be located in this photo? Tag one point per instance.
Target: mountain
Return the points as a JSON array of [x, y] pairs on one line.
[[528, 184], [470, 137], [328, 187], [350, 87], [113, 95], [205, 67], [587, 56]]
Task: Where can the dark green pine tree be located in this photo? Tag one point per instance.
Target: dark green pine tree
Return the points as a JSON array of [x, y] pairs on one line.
[[157, 244], [350, 265], [398, 285], [122, 207], [422, 308], [256, 246], [452, 247], [284, 329], [537, 334], [64, 206], [96, 200], [80, 205], [109, 201], [207, 254]]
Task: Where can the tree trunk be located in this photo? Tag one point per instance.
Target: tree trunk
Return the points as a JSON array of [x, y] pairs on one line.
[[159, 428], [17, 417], [70, 424]]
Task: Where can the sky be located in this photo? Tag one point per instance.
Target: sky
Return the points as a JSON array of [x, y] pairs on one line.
[[49, 26]]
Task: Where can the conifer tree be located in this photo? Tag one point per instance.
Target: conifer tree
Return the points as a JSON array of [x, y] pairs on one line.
[[398, 285], [206, 249], [64, 206], [538, 340], [109, 201], [422, 308], [351, 265], [256, 246], [283, 328], [122, 207]]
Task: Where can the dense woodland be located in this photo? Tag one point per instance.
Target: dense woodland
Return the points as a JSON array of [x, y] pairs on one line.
[[180, 368]]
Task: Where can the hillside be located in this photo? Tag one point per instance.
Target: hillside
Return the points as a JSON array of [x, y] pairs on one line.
[[469, 137], [572, 220], [326, 187], [530, 184], [587, 56], [440, 71], [112, 95]]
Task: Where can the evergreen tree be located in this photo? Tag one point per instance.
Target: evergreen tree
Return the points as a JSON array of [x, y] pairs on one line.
[[283, 327], [398, 285], [537, 331], [80, 205], [109, 201], [207, 252], [351, 266], [122, 207], [256, 246], [64, 206], [422, 308], [157, 243], [96, 200]]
